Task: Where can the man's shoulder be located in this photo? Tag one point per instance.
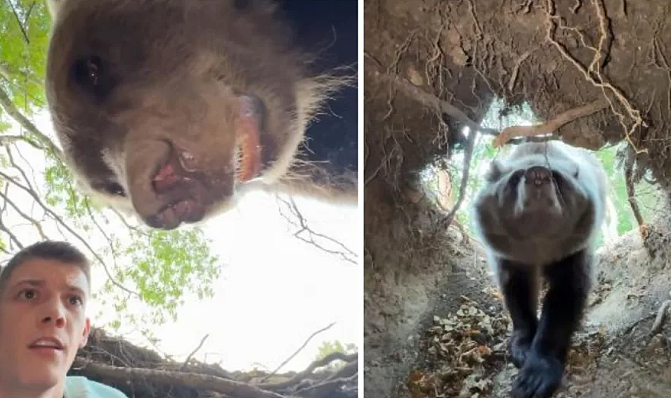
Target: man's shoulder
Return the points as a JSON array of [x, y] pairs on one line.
[[81, 387]]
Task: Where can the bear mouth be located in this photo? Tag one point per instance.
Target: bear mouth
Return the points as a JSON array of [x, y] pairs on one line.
[[188, 185], [189, 191], [248, 150], [185, 192]]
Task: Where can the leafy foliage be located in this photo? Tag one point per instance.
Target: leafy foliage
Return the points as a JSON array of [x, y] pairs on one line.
[[24, 28], [329, 347]]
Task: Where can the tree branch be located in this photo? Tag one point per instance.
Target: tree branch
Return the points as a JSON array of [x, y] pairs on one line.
[[13, 111], [66, 226], [188, 358], [194, 380], [11, 139], [34, 222], [3, 228], [32, 170], [314, 365], [18, 21], [299, 350], [33, 192], [327, 387], [303, 225]]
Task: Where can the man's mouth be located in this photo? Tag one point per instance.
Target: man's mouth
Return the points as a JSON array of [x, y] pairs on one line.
[[46, 344]]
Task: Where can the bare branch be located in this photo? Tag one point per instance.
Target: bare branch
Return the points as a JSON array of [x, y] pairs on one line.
[[188, 358], [299, 350], [3, 228], [34, 193], [34, 222], [11, 139], [102, 231], [302, 224], [11, 109], [18, 21], [66, 226], [30, 10], [32, 170], [125, 222]]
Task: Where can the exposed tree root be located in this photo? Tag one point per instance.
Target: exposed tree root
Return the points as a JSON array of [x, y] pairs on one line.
[[659, 320], [631, 193], [429, 100], [143, 373], [226, 386], [506, 135], [445, 222], [553, 125], [594, 76]]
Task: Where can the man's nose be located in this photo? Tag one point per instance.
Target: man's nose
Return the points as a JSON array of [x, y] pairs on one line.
[[53, 312]]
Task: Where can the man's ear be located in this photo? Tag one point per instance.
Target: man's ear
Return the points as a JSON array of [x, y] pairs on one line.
[[85, 334], [54, 7]]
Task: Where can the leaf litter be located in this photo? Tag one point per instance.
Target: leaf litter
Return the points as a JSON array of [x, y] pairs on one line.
[[467, 349]]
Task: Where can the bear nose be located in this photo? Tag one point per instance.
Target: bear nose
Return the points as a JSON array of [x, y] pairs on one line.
[[538, 175]]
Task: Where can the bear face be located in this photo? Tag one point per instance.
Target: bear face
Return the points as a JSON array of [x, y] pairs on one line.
[[169, 109], [544, 201]]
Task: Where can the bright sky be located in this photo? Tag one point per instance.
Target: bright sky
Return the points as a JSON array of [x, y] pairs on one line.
[[274, 290]]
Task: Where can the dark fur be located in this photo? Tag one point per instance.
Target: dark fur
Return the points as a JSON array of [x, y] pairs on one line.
[[535, 222], [173, 78]]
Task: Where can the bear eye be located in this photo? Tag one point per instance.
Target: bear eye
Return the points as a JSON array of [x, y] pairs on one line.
[[91, 74], [515, 178], [111, 188], [114, 188]]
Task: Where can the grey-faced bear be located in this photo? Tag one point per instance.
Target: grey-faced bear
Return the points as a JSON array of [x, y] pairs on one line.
[[538, 214]]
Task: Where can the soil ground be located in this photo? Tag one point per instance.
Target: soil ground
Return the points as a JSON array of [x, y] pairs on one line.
[[557, 56], [613, 355]]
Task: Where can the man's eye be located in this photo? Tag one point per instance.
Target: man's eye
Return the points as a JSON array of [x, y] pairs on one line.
[[76, 300], [27, 294]]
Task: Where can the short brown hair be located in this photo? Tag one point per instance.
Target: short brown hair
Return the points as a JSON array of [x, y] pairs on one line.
[[47, 250]]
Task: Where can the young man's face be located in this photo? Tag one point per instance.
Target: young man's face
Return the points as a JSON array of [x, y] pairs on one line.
[[42, 323]]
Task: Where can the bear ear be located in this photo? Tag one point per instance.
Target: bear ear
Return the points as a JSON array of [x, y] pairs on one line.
[[495, 171], [54, 7]]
